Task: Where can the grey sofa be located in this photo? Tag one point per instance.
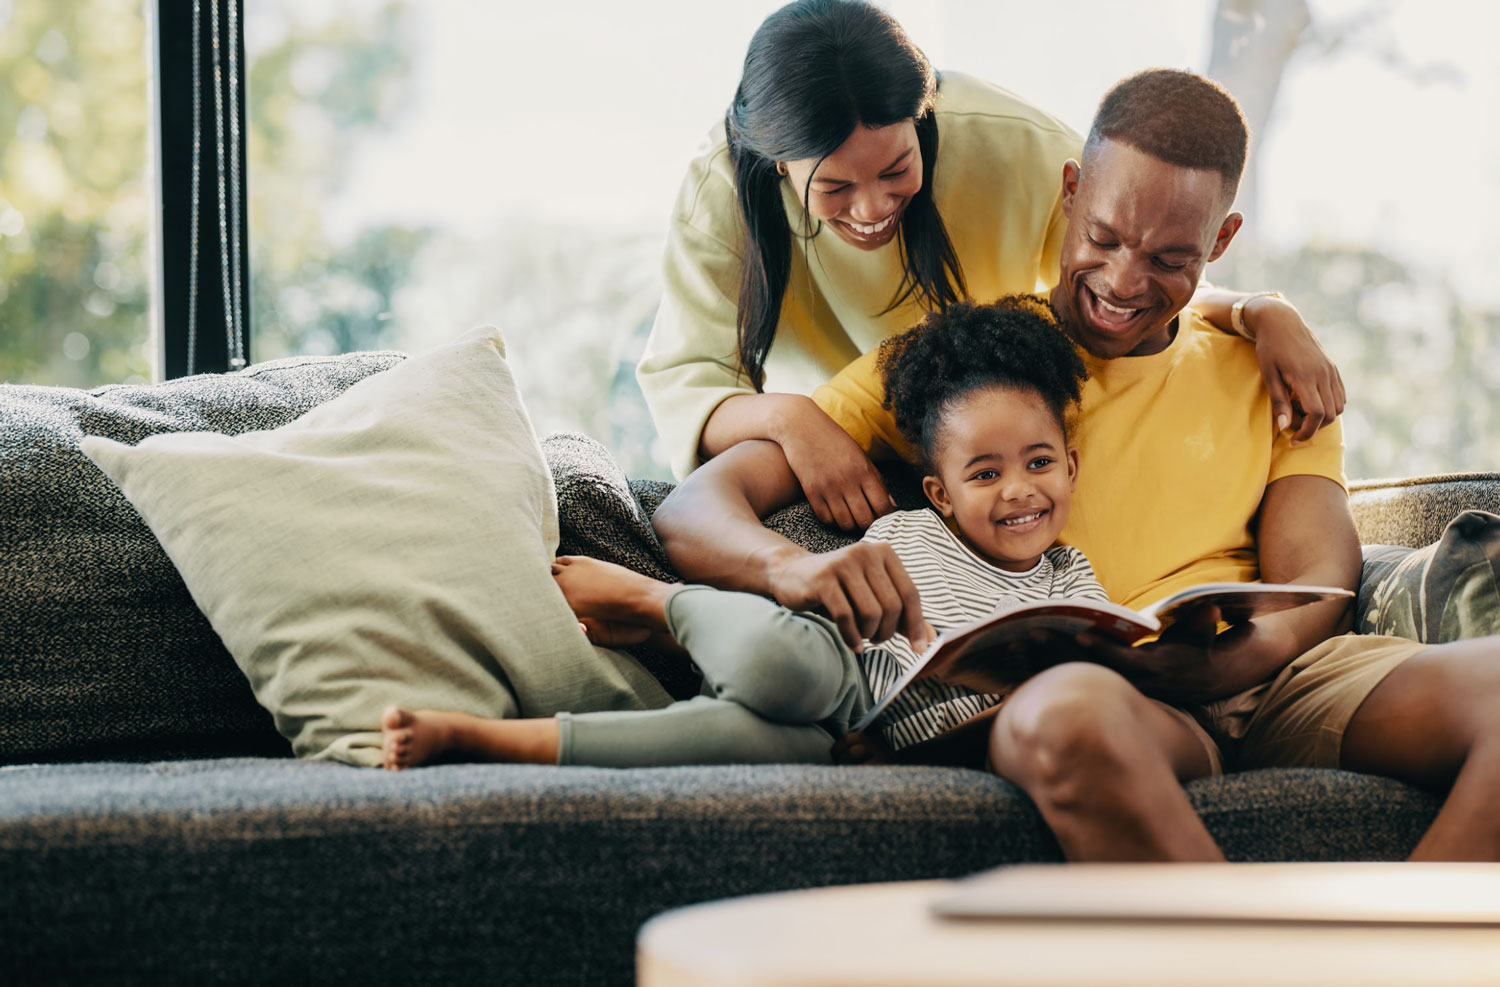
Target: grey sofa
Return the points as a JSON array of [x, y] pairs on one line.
[[154, 829]]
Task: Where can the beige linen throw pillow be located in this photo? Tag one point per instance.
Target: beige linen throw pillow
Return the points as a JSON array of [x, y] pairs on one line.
[[391, 545]]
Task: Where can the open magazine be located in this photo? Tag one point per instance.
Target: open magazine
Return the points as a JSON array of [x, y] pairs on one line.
[[984, 654]]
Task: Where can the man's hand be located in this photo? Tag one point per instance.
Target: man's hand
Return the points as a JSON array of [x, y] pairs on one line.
[[1189, 663], [863, 588], [836, 476], [1305, 387]]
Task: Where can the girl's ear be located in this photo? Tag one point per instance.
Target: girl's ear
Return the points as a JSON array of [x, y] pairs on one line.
[[938, 494], [1072, 467]]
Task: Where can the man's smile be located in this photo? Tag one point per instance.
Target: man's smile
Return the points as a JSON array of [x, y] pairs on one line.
[[1110, 317]]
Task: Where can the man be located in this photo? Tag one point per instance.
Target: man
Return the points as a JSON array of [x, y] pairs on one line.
[[1183, 478]]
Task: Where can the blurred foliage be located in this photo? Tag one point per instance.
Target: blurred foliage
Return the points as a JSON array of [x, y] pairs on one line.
[[1418, 362], [575, 301], [74, 211], [316, 94]]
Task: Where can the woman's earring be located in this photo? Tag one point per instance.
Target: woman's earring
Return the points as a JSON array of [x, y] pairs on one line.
[[781, 168]]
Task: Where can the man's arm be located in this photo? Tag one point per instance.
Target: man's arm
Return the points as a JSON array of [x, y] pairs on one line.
[[710, 527], [1305, 535]]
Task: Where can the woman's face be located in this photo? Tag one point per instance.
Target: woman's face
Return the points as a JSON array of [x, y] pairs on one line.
[[861, 189]]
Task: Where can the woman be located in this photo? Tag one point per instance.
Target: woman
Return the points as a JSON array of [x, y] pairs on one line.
[[849, 192]]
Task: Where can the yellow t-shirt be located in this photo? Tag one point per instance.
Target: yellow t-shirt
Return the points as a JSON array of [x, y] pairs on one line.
[[997, 186], [1175, 451]]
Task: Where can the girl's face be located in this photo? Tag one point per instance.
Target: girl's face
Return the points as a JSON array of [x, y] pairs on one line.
[[1005, 474], [861, 189]]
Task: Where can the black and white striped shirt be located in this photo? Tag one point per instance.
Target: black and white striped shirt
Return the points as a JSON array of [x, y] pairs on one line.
[[956, 586]]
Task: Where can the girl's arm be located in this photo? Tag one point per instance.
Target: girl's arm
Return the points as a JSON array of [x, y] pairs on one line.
[[1305, 387]]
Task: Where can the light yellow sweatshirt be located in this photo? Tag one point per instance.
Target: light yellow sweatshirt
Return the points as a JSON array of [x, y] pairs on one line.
[[997, 187]]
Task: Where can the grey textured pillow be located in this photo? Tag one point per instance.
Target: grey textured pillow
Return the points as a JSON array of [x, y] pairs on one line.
[[1445, 592], [598, 515], [103, 654]]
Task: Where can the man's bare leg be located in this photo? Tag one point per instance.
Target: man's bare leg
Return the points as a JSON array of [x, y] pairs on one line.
[[1435, 722], [612, 602], [1104, 765]]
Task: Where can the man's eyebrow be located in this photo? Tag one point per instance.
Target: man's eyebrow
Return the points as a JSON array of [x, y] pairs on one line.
[[1181, 248], [840, 181]]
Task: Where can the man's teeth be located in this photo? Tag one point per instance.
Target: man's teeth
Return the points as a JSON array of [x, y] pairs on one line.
[[1114, 308], [873, 228], [1023, 519]]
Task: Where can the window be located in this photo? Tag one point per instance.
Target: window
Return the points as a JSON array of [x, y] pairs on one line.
[[75, 214], [416, 168]]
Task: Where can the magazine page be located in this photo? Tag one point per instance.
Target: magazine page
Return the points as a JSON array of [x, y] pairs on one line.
[[1239, 602], [993, 654]]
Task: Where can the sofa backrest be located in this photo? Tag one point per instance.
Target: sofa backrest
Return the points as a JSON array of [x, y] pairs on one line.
[[103, 654]]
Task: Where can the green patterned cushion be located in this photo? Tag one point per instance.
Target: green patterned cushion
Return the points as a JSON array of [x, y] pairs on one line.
[[1446, 591]]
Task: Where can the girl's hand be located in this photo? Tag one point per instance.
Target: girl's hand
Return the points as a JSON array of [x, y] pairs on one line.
[[859, 748], [838, 479], [863, 588], [1305, 387]]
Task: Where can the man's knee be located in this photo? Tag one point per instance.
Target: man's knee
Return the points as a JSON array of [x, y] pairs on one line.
[[1065, 727]]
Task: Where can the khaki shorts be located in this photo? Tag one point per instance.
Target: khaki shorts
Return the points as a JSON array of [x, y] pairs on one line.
[[1298, 718]]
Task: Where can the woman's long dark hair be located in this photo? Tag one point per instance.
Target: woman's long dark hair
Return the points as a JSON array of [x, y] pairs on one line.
[[816, 70]]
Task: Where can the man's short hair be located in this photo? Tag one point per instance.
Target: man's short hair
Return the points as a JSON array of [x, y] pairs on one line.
[[1177, 117]]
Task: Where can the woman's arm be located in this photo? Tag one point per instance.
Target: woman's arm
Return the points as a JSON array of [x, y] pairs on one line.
[[838, 479], [1305, 387]]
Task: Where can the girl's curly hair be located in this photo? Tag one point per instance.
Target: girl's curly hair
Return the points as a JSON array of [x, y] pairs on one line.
[[1013, 342]]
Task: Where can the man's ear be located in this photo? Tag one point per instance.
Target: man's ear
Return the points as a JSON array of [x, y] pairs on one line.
[[1072, 455], [1072, 170], [938, 494], [1227, 230]]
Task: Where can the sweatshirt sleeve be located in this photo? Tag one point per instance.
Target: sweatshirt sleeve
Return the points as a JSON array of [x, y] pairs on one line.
[[690, 363]]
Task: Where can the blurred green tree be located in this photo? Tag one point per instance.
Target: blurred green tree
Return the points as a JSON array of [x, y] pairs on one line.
[[318, 90], [74, 211]]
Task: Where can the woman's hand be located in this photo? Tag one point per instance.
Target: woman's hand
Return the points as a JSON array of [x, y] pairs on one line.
[[837, 478], [1305, 387]]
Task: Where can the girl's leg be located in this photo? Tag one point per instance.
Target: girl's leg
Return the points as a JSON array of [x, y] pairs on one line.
[[695, 731], [789, 667]]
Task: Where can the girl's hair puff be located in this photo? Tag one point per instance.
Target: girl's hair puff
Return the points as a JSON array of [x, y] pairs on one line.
[[1013, 342]]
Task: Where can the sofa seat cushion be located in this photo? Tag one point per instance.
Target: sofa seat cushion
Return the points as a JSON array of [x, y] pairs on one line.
[[284, 866]]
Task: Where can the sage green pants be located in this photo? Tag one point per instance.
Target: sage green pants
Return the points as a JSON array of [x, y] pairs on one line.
[[778, 686]]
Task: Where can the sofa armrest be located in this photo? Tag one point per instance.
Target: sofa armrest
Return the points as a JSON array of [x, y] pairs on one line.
[[1413, 511]]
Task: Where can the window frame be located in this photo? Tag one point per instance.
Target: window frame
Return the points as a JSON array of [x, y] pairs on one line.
[[174, 80]]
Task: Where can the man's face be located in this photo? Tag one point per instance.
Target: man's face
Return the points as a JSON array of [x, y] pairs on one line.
[[1140, 231]]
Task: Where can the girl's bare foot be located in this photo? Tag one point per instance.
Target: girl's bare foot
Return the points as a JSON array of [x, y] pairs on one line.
[[414, 737], [608, 595]]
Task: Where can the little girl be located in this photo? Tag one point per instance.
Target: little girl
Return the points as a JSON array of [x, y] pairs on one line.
[[985, 391]]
